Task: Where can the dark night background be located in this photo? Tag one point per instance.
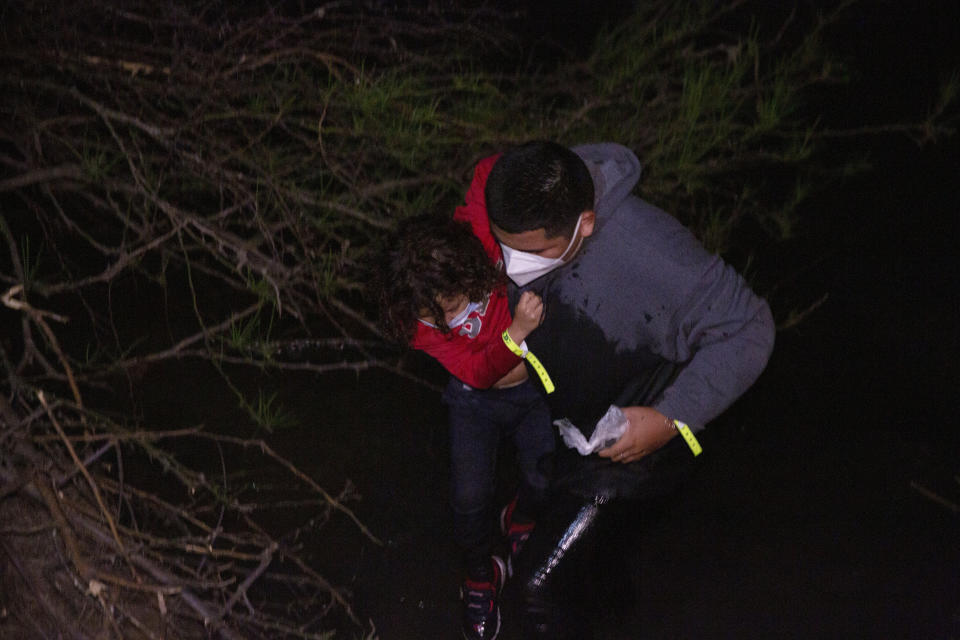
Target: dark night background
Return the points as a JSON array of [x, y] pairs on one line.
[[810, 515], [807, 516]]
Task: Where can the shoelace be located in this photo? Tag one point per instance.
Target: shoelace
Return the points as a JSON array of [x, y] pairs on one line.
[[481, 597], [476, 596]]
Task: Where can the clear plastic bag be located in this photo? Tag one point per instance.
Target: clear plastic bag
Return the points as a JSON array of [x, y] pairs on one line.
[[608, 430]]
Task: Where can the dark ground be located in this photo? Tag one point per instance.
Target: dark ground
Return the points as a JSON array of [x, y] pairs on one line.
[[808, 515]]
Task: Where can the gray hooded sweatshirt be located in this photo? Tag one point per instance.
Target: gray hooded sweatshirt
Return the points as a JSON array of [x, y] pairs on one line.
[[640, 297]]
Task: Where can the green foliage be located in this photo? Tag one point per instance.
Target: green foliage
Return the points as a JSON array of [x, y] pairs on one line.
[[30, 257], [245, 334], [30, 260], [706, 109], [268, 413], [96, 164]]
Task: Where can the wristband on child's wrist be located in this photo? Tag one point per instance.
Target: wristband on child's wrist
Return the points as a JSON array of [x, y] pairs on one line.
[[532, 359]]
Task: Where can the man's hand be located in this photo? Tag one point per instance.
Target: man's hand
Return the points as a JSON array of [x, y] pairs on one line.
[[648, 431], [526, 317]]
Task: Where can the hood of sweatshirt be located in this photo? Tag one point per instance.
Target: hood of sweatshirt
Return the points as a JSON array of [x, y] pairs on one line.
[[615, 171]]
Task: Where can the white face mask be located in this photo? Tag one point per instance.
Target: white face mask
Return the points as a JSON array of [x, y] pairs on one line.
[[523, 267], [462, 316]]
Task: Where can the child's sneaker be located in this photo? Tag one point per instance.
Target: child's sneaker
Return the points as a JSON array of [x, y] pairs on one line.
[[515, 532], [481, 607]]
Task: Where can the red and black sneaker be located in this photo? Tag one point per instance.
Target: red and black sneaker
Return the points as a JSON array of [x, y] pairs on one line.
[[481, 606], [516, 533]]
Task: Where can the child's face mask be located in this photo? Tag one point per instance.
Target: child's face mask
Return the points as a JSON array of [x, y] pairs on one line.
[[456, 310], [523, 267], [461, 317]]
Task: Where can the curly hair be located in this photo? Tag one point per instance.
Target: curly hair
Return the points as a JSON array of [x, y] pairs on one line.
[[430, 257]]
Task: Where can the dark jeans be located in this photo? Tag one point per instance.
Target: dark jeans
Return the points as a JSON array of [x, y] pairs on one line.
[[479, 420]]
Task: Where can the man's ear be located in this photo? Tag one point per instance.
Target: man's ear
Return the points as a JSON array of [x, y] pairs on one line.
[[587, 220]]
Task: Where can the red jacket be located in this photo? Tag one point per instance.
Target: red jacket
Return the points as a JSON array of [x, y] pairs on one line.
[[474, 352]]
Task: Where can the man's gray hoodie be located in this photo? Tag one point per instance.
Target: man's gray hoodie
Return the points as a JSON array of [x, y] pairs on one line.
[[641, 296]]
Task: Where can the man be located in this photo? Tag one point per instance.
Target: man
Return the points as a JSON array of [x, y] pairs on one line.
[[637, 315]]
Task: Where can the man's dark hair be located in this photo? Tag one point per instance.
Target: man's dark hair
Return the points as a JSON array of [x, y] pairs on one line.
[[429, 257], [538, 185]]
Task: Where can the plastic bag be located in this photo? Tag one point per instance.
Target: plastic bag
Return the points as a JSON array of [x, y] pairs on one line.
[[608, 430]]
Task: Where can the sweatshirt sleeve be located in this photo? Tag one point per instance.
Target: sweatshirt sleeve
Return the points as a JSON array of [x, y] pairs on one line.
[[725, 334], [474, 209]]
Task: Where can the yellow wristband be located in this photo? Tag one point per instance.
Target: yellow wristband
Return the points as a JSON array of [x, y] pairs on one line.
[[688, 436], [532, 359]]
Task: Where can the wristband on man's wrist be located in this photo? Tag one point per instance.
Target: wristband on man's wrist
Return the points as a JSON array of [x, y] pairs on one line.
[[688, 436], [532, 359]]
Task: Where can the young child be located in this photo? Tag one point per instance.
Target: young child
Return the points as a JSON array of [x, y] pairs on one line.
[[442, 291]]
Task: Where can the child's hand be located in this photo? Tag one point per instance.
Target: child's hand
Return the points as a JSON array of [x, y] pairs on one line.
[[529, 311], [526, 317]]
